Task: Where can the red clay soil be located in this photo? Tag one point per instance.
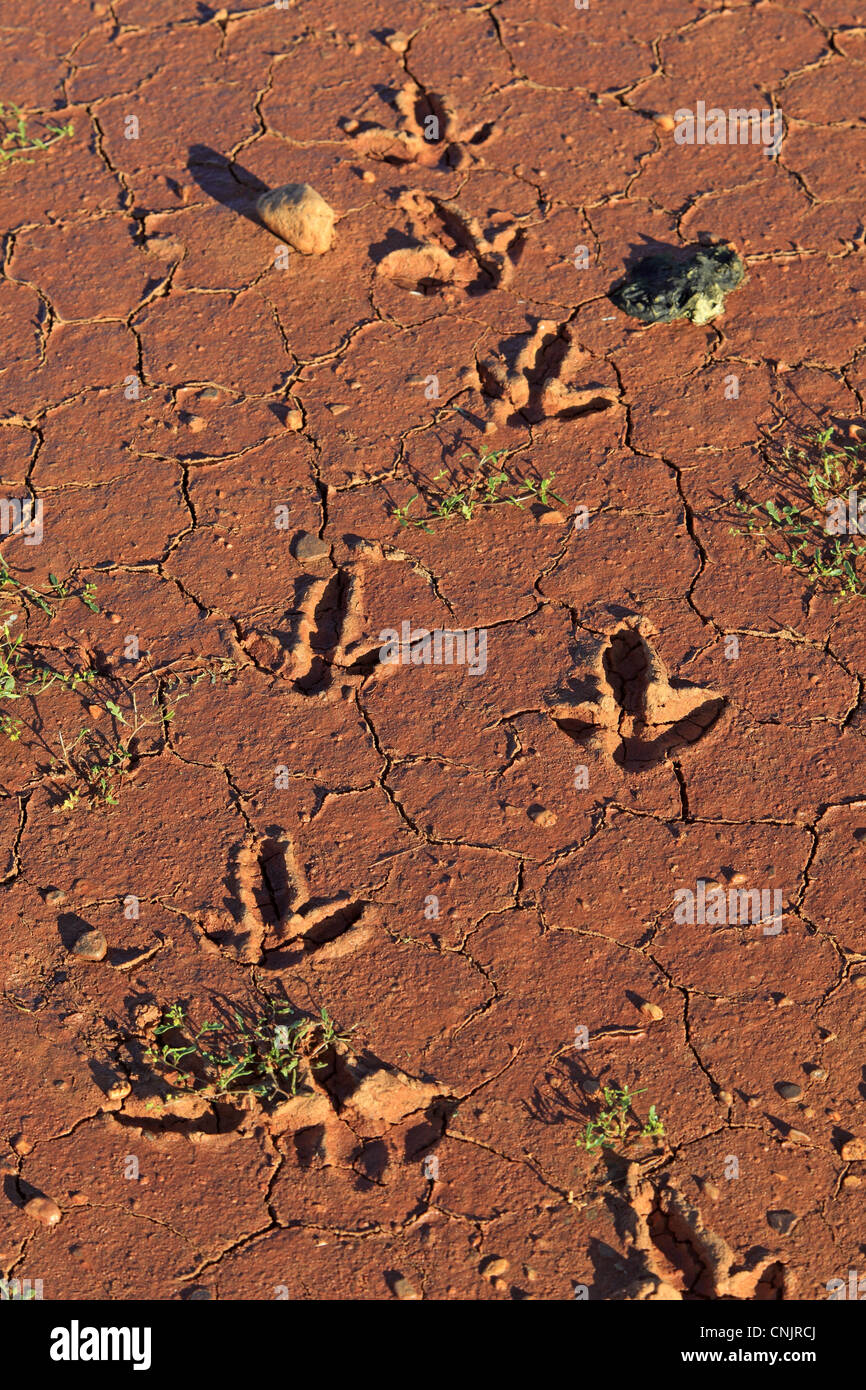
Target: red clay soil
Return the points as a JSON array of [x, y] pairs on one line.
[[475, 872]]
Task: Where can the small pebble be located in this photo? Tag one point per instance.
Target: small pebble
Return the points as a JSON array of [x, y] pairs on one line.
[[851, 1180], [22, 1145], [539, 815], [294, 420], [789, 1090], [55, 897], [711, 1191], [494, 1267], [652, 1011], [817, 1074], [725, 1098], [797, 1136], [853, 1150], [91, 945], [119, 1090], [406, 1291], [43, 1211], [665, 122], [781, 1221], [310, 547], [398, 43]]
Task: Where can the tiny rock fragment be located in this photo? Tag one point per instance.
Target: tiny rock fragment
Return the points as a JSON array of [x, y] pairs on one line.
[[494, 1266], [22, 1145], [310, 547], [91, 945], [797, 1136], [789, 1090], [298, 215], [399, 42], [851, 1180], [406, 1291], [541, 816], [551, 518], [785, 1002], [55, 897], [294, 420], [651, 1010], [43, 1211], [853, 1150], [119, 1090], [664, 122], [710, 1190], [781, 1221], [725, 1098]]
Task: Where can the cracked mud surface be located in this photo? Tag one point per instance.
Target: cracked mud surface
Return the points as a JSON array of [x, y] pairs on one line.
[[462, 868]]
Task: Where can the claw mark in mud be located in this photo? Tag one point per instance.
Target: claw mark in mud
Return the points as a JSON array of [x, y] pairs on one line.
[[675, 1256], [323, 636], [450, 250], [429, 132], [269, 908], [532, 378], [629, 708]]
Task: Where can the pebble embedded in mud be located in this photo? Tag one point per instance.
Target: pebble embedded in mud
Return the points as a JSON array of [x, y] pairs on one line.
[[406, 1291], [298, 215], [55, 897], [653, 1011], [311, 547], [789, 1090], [22, 1145], [781, 1221], [43, 1211], [494, 1266], [853, 1150], [671, 285], [91, 945], [539, 815]]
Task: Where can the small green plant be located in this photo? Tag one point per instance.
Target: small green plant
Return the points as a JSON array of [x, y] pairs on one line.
[[16, 143], [489, 486], [813, 477], [614, 1123], [262, 1056], [23, 676], [92, 768], [59, 590]]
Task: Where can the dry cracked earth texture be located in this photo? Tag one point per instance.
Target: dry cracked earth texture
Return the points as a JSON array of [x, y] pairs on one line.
[[216, 793]]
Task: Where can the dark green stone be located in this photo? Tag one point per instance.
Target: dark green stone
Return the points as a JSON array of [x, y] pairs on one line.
[[662, 286]]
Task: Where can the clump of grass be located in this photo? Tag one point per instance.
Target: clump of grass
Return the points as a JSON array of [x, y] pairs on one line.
[[92, 768], [263, 1056], [794, 527], [59, 590], [22, 676], [17, 143], [615, 1123], [489, 485]]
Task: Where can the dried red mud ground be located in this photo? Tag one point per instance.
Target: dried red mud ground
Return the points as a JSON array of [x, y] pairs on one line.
[[168, 381]]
